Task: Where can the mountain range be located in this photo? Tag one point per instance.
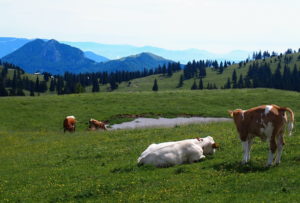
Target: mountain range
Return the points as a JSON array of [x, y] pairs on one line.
[[56, 58], [8, 45], [183, 56]]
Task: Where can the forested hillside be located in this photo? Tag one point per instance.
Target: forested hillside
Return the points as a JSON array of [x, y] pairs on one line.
[[279, 71]]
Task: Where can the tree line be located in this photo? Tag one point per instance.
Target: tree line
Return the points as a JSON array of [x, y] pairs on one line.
[[260, 75], [72, 83]]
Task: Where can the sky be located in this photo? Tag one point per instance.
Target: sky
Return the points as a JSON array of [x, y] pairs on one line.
[[214, 25]]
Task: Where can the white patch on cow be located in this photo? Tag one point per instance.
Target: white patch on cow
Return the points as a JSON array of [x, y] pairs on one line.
[[290, 128], [268, 109], [243, 114], [267, 130], [270, 159], [71, 117], [246, 152]]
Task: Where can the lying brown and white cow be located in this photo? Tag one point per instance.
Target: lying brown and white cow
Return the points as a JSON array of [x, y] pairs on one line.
[[96, 125], [267, 122], [69, 124], [172, 153]]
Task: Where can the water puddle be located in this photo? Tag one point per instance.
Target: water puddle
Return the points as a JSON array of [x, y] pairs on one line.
[[165, 122]]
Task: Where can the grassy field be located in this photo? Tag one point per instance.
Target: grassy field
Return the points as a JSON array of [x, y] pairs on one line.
[[39, 163]]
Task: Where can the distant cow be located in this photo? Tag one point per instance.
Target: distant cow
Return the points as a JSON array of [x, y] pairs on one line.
[[172, 153], [96, 125], [69, 124], [267, 122]]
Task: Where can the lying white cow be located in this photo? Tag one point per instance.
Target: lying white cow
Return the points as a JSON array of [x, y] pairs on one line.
[[172, 153]]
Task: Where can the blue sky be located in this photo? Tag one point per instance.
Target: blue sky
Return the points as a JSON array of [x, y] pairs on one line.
[[213, 25]]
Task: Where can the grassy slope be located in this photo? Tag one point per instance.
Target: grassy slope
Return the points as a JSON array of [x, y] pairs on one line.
[[166, 83], [40, 163]]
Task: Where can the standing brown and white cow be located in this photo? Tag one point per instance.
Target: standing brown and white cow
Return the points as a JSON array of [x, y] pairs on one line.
[[267, 122], [69, 124]]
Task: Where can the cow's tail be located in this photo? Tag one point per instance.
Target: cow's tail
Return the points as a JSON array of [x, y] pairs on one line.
[[291, 120]]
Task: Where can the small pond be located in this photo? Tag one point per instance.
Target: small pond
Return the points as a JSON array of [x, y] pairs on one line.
[[165, 122]]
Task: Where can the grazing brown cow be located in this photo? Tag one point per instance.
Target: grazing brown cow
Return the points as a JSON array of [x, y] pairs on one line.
[[96, 125], [69, 124], [267, 122]]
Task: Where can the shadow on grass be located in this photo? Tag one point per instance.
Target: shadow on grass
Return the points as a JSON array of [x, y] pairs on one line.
[[132, 168], [240, 168]]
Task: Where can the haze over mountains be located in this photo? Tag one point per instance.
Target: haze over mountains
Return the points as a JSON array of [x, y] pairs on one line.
[[183, 56], [8, 45], [56, 58]]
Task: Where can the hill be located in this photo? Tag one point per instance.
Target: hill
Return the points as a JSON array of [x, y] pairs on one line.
[[56, 58], [49, 56], [95, 57], [41, 163], [133, 63], [213, 76]]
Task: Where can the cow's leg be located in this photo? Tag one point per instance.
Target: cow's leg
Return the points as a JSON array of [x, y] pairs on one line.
[[245, 151], [272, 151], [249, 149], [280, 144], [196, 155]]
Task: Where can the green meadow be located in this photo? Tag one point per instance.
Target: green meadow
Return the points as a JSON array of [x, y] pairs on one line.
[[39, 163]]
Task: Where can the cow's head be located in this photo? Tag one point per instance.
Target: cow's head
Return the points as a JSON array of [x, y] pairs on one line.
[[209, 145], [237, 114]]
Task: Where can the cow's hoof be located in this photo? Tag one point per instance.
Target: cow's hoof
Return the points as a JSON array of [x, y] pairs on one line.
[[268, 165], [244, 162]]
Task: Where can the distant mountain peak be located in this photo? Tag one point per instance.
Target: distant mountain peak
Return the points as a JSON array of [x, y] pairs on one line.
[[51, 56], [48, 56]]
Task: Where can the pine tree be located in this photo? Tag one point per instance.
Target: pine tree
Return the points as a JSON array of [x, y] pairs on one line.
[[180, 84], [14, 84], [52, 85], [201, 84], [96, 87], [277, 79], [169, 70], [155, 86], [247, 82], [240, 83], [194, 86], [4, 72], [3, 91], [228, 84], [37, 84], [32, 89], [113, 84], [234, 79]]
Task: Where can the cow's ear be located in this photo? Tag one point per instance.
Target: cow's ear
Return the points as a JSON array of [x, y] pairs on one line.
[[230, 113], [215, 145]]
